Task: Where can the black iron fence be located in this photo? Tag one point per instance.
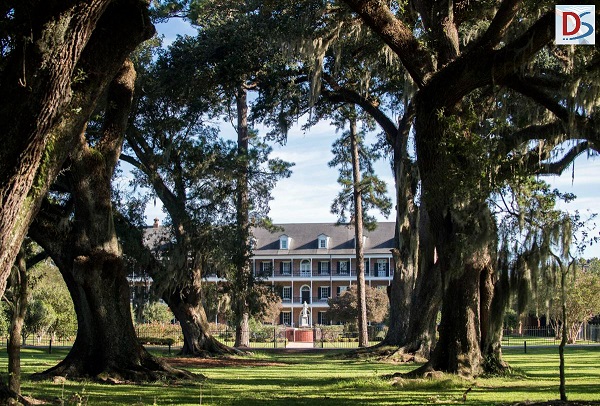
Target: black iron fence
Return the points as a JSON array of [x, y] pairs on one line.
[[321, 336], [588, 334]]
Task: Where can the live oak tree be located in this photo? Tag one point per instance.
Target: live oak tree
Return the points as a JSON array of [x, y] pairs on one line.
[[76, 228], [451, 66], [233, 57], [56, 61], [197, 177]]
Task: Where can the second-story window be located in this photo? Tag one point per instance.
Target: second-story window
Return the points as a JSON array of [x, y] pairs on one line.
[[344, 267], [285, 268], [266, 267], [305, 267]]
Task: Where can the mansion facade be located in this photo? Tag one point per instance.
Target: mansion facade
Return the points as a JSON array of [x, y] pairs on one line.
[[311, 262], [304, 263]]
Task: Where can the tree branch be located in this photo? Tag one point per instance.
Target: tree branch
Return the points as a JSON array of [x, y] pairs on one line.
[[558, 167], [372, 108], [377, 15], [500, 24]]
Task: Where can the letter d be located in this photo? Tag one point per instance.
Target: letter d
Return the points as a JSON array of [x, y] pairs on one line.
[[565, 16]]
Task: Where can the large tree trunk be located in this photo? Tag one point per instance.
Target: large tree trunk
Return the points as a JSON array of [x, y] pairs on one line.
[[106, 346], [464, 236], [243, 277], [185, 303], [87, 252], [415, 292], [363, 335]]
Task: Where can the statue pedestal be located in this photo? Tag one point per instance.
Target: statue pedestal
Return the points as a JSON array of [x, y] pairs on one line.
[[302, 335]]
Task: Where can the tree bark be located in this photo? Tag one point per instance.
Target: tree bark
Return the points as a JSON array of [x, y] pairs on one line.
[[464, 235], [563, 340], [88, 255], [19, 284], [363, 334], [46, 105], [243, 278], [197, 341]]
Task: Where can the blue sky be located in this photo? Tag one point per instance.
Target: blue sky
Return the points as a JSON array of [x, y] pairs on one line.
[[307, 195]]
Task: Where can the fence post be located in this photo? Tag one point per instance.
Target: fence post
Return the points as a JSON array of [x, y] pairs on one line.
[[50, 346], [274, 337], [525, 346]]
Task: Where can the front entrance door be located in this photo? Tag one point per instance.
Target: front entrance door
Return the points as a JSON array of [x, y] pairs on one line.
[[305, 295]]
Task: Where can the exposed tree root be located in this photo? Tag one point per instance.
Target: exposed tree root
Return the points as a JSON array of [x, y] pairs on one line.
[[211, 347], [387, 353], [150, 370], [9, 397]]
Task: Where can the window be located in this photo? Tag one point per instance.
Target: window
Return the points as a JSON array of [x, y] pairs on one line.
[[283, 242], [341, 289], [286, 294], [344, 267], [382, 267], [285, 268], [324, 292], [323, 241], [266, 267], [286, 318], [324, 267], [367, 266], [305, 267]]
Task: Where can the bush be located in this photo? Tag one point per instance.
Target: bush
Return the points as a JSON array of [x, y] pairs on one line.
[[157, 312], [156, 341]]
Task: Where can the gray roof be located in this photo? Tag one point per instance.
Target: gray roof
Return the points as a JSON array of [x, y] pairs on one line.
[[304, 239]]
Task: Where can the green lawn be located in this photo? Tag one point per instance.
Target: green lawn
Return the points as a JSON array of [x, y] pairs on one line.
[[326, 378]]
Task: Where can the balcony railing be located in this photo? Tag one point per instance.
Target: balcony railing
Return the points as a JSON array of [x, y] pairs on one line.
[[297, 273], [315, 300]]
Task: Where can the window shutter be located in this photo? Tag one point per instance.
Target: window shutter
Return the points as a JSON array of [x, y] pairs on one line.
[[280, 317], [281, 268], [339, 290], [338, 267]]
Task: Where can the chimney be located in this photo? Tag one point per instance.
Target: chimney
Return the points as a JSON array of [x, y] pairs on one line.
[[156, 222]]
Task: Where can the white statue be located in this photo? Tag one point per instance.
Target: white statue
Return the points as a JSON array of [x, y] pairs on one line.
[[304, 314]]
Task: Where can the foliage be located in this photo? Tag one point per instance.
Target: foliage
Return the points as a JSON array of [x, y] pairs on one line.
[[582, 300], [344, 308], [157, 312], [39, 318], [50, 310], [372, 189]]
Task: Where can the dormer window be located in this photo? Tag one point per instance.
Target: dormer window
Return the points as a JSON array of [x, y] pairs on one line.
[[323, 241], [284, 242], [364, 241]]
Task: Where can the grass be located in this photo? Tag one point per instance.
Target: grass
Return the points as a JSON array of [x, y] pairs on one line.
[[327, 378]]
